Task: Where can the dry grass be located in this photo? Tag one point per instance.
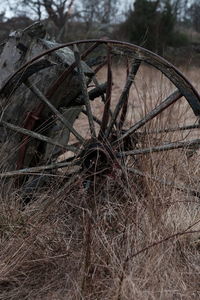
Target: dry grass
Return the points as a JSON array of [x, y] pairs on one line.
[[124, 238]]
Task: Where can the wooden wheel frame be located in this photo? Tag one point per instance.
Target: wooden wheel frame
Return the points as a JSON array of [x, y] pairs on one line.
[[112, 138]]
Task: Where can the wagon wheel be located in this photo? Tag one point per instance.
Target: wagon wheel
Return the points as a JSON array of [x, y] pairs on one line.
[[152, 113]]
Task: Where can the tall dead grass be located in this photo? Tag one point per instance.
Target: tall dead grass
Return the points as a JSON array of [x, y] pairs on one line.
[[126, 237]]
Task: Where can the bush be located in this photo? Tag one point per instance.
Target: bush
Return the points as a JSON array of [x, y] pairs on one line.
[[179, 39], [150, 24]]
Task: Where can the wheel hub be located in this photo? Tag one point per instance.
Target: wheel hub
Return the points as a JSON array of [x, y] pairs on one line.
[[96, 158]]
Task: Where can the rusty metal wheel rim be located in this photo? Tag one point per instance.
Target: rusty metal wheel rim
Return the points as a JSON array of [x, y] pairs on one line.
[[139, 55]]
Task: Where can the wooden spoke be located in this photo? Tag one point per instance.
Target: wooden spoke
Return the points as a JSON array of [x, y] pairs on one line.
[[84, 90], [101, 86], [125, 93], [125, 105], [170, 146], [53, 88], [179, 187], [100, 66], [172, 129], [35, 170], [37, 136], [108, 97], [152, 114], [42, 98]]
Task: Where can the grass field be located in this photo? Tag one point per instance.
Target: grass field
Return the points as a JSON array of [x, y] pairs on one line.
[[126, 237]]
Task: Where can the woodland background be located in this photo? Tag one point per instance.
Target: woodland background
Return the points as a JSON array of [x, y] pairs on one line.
[[167, 27]]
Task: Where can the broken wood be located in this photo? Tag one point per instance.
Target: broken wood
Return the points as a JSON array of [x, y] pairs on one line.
[[27, 111]]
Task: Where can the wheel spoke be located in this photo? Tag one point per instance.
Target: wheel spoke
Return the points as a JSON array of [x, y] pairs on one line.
[[53, 88], [35, 170], [125, 105], [37, 136], [172, 129], [84, 91], [181, 188], [105, 85], [105, 117], [170, 146], [42, 98], [98, 68], [124, 96], [152, 114]]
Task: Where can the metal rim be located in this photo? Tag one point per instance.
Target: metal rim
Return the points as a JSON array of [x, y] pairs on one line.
[[139, 55]]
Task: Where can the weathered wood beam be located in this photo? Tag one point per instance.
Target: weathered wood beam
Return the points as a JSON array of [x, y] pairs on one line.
[[42, 98]]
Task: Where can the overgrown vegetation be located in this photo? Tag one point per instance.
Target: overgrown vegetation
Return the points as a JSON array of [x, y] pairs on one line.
[[124, 237]]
